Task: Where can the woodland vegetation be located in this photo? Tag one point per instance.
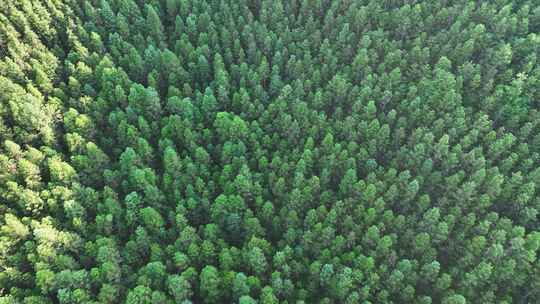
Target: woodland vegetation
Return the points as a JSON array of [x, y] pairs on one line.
[[268, 151]]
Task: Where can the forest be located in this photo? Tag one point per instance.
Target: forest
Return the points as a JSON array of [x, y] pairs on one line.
[[269, 151]]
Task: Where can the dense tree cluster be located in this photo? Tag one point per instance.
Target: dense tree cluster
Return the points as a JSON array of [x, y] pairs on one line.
[[263, 151]]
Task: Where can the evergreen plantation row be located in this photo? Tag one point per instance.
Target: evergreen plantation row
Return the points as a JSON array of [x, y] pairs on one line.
[[268, 151]]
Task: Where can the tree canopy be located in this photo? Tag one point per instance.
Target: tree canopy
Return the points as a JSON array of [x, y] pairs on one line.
[[268, 151]]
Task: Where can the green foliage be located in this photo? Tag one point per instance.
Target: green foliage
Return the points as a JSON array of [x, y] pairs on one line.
[[182, 151]]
